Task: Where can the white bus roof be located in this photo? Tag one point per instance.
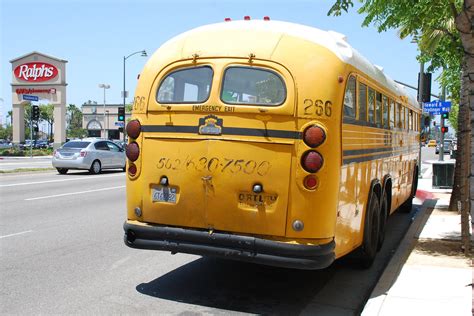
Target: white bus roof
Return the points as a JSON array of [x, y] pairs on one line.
[[335, 42]]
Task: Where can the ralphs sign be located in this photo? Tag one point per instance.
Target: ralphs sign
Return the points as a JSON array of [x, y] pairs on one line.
[[35, 72]]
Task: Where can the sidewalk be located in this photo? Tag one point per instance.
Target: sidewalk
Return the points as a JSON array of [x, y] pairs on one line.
[[428, 274]]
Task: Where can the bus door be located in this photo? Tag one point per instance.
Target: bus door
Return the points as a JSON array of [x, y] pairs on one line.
[[218, 147]]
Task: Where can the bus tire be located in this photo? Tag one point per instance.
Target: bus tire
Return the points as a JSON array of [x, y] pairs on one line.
[[408, 204], [382, 219], [368, 250]]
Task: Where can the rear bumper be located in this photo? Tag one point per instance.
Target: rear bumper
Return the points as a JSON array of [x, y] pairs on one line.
[[230, 246]]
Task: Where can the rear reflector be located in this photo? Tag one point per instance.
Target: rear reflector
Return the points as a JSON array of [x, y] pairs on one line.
[[132, 151], [312, 161], [310, 182], [247, 18], [132, 169], [314, 136], [133, 129]]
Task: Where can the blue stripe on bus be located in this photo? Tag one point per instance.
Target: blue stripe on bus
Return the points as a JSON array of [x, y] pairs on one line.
[[242, 131]]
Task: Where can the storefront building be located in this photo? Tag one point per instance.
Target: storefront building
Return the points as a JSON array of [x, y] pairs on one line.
[[102, 121]]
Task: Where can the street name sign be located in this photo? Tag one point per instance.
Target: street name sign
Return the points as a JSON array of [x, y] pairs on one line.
[[437, 107], [28, 97], [120, 124]]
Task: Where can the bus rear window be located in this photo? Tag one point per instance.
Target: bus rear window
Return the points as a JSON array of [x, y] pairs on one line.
[[252, 86], [190, 85]]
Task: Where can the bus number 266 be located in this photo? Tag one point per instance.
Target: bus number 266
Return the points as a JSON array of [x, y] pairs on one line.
[[318, 107]]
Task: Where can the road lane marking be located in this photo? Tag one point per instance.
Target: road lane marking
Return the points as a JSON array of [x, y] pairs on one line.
[[61, 180], [16, 234], [74, 193]]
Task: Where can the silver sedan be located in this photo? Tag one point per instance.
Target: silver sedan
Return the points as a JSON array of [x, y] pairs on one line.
[[89, 154]]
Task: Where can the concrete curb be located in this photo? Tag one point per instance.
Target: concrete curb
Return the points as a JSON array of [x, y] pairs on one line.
[[395, 265]]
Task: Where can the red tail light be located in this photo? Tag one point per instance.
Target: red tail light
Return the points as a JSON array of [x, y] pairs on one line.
[[133, 129], [247, 18], [310, 182], [314, 136], [132, 151], [312, 161], [132, 169], [266, 18], [83, 153]]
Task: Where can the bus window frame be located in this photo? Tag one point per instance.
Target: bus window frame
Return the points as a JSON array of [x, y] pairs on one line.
[[385, 112], [166, 75], [260, 68], [359, 99], [355, 97], [373, 119]]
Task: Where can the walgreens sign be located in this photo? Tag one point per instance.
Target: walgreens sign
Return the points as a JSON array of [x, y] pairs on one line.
[[35, 72]]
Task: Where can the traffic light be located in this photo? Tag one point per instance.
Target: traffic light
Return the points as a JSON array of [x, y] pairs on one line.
[[35, 112], [444, 129], [121, 114], [445, 115], [426, 93]]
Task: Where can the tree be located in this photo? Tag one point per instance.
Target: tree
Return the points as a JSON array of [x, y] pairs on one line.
[[74, 115], [447, 42], [10, 115], [47, 115]]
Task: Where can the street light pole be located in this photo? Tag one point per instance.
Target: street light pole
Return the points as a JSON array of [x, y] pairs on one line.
[[124, 92], [104, 86]]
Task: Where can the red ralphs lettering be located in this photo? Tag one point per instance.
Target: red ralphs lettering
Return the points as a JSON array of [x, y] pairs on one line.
[[35, 72]]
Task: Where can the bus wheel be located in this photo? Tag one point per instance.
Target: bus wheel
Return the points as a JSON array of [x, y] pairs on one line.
[[371, 233], [382, 220]]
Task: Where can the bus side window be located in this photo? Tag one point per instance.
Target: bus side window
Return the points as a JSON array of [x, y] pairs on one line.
[[407, 120], [399, 115], [410, 120], [371, 105], [378, 109], [362, 102], [350, 98], [392, 113], [385, 111]]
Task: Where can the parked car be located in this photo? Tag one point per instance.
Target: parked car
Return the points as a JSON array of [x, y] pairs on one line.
[[446, 146], [5, 144], [89, 154], [431, 143]]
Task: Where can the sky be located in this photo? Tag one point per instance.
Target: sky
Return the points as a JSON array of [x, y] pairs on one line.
[[94, 36]]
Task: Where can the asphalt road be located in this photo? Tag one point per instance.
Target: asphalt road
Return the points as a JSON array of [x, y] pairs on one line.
[[62, 252]]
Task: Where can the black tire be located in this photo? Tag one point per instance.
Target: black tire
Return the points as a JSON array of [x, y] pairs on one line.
[[62, 170], [96, 167], [383, 220], [368, 250]]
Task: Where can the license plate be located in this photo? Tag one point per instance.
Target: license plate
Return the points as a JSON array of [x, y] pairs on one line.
[[163, 194], [253, 199]]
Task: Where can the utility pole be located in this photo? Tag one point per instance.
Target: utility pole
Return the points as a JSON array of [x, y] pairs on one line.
[[441, 137]]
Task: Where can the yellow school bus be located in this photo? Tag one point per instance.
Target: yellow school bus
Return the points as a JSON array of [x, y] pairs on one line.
[[268, 142]]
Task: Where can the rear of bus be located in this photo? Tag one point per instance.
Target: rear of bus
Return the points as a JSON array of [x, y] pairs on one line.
[[224, 158]]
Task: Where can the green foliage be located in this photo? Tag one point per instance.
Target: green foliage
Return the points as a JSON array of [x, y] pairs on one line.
[[16, 152], [6, 132], [453, 116], [74, 115], [431, 22]]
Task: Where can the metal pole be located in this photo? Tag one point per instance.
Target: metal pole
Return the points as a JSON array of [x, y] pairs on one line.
[[124, 93], [31, 131], [105, 136], [420, 99], [441, 137]]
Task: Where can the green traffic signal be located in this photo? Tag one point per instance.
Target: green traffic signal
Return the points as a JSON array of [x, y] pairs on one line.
[[445, 115]]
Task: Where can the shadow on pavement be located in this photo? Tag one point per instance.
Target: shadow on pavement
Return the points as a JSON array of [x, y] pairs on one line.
[[239, 286]]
